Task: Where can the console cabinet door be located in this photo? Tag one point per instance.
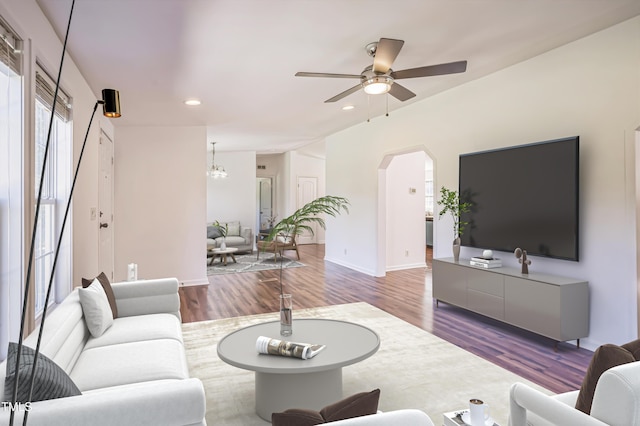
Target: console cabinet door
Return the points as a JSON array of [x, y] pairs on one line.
[[534, 306], [450, 283]]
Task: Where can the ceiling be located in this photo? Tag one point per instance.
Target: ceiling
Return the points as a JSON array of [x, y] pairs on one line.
[[239, 57]]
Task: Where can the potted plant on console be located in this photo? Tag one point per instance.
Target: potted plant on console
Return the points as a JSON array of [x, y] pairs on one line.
[[450, 202]]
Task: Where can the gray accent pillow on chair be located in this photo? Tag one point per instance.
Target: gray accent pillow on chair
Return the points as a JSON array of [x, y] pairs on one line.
[[50, 381]]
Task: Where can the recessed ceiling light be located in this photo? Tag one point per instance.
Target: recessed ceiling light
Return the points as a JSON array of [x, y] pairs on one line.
[[348, 107], [192, 102]]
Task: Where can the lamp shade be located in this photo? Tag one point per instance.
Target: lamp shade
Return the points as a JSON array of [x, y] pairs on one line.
[[377, 85], [111, 105]]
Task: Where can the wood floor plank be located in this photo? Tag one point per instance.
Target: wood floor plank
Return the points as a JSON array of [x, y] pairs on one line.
[[405, 294]]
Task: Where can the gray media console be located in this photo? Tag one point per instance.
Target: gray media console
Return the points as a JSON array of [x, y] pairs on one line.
[[555, 307]]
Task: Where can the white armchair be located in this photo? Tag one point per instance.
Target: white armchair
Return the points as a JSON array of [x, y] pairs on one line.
[[616, 402]]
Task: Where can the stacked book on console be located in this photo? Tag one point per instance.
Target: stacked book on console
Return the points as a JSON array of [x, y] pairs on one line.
[[481, 262]]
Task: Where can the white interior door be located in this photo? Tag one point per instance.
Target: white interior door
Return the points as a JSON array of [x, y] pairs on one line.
[[307, 192], [105, 206], [265, 200]]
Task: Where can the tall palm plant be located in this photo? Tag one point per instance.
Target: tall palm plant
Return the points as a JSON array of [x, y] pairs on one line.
[[302, 219]]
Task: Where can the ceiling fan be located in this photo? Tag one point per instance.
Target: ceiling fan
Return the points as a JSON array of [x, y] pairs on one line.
[[380, 78]]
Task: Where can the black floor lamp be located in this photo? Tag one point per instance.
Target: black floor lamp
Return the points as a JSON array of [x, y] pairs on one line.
[[111, 108]]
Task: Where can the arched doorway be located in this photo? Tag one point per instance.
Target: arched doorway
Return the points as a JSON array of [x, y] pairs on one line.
[[402, 200]]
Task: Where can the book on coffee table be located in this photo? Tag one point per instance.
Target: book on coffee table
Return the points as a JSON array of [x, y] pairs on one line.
[[269, 346]]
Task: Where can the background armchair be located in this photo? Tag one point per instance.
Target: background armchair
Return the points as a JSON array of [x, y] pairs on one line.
[[278, 245]]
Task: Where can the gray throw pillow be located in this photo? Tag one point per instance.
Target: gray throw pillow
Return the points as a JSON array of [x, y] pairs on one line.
[[50, 381], [213, 232]]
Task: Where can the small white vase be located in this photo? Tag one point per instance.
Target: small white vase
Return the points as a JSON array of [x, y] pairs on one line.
[[223, 245]]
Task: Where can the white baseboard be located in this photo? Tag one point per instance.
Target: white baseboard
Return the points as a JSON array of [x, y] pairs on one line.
[[198, 281], [351, 266], [407, 266]]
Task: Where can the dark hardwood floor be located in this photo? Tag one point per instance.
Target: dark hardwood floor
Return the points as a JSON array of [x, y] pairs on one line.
[[405, 294]]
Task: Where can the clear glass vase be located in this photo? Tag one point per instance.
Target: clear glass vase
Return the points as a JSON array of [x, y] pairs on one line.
[[286, 315]]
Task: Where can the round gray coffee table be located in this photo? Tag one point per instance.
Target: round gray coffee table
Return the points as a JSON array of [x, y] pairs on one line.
[[283, 382]]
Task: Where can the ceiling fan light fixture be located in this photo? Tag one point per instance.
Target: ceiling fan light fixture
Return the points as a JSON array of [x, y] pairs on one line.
[[377, 85]]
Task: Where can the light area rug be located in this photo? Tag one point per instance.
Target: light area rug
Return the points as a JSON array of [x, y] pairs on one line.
[[249, 263], [412, 368]]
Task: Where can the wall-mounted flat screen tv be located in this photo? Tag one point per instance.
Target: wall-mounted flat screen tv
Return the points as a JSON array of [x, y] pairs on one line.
[[524, 196]]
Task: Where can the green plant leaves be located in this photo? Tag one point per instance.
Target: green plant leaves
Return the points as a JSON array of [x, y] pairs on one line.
[[302, 218], [450, 202]]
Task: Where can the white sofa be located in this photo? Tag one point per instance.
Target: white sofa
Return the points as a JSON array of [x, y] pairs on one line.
[[616, 402], [134, 374], [389, 418]]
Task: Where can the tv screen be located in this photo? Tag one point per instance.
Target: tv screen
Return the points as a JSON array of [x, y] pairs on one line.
[[524, 196]]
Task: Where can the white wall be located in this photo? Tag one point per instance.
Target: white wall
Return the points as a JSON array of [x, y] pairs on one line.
[[405, 225], [589, 88], [160, 204], [233, 198]]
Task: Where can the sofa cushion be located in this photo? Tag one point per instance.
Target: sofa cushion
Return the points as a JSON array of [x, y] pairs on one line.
[[138, 329], [360, 404], [95, 308], [50, 381], [127, 363], [233, 229], [233, 241], [106, 285], [605, 357]]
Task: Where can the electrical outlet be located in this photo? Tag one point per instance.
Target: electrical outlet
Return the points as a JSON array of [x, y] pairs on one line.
[[93, 213]]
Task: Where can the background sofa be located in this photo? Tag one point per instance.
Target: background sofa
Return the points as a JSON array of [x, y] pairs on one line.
[[135, 373], [238, 236]]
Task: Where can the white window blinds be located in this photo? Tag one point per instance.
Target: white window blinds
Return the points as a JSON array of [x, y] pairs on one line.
[[10, 48], [45, 89]]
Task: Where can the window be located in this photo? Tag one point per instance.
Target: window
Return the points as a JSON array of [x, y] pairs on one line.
[[53, 197], [11, 190], [428, 187]]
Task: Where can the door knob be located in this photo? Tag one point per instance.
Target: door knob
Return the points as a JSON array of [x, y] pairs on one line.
[[104, 225]]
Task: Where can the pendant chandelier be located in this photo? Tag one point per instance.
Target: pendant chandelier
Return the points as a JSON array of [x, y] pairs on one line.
[[215, 171]]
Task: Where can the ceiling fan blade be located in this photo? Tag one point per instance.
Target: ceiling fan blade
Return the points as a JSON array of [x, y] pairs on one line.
[[325, 74], [400, 92], [386, 52], [344, 94], [431, 70]]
